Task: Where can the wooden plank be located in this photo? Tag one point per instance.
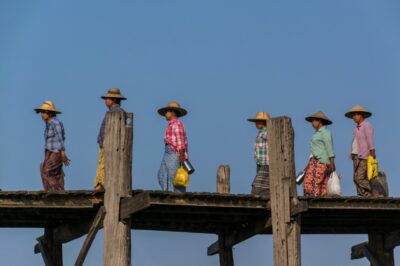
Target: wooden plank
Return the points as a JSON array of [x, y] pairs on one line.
[[43, 250], [286, 229], [241, 235], [298, 208], [224, 179], [131, 205], [69, 232], [118, 184], [359, 251], [97, 224], [363, 251]]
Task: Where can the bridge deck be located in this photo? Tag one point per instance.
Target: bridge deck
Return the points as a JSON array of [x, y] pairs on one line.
[[197, 212]]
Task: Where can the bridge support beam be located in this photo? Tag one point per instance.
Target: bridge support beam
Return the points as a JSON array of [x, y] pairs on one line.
[[50, 250], [378, 250]]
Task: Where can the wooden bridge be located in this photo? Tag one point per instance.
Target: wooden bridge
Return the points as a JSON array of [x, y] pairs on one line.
[[68, 215]]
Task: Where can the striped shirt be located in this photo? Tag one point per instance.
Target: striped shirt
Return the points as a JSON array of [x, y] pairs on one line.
[[54, 135]]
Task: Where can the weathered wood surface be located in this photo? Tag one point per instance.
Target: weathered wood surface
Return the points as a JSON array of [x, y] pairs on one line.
[[163, 211], [225, 251], [44, 251], [286, 229], [118, 183], [224, 179], [241, 234], [378, 249], [224, 187], [97, 224], [50, 251], [382, 256]]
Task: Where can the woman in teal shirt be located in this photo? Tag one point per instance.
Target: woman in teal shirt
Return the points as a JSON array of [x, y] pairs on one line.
[[322, 159]]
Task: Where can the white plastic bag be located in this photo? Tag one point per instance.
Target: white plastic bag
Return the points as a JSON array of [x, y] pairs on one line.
[[334, 185]]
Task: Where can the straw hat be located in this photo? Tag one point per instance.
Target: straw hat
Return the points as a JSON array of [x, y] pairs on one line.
[[358, 109], [113, 93], [261, 116], [47, 106], [319, 115], [174, 106]]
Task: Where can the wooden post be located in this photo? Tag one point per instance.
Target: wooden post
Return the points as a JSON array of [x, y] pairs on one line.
[[118, 183], [225, 252], [383, 256], [285, 228], [223, 186], [224, 179]]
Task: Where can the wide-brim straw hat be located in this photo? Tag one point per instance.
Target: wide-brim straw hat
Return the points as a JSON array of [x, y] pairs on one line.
[[358, 109], [321, 116], [173, 106], [260, 117], [47, 106], [113, 93]]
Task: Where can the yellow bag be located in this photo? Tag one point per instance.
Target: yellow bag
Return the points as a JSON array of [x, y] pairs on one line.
[[181, 178], [372, 168]]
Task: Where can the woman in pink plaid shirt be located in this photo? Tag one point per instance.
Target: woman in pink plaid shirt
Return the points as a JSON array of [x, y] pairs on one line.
[[176, 146]]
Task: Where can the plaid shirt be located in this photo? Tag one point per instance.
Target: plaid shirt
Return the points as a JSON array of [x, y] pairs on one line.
[[100, 137], [175, 136], [54, 135], [261, 148]]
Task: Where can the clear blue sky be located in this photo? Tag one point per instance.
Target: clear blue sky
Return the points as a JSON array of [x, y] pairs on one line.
[[222, 60]]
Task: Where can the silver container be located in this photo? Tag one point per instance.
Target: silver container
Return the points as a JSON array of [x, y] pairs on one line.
[[300, 178], [188, 167]]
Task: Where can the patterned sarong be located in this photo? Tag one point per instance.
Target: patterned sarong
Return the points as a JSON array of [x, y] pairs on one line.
[[316, 178], [51, 171], [360, 177], [260, 184], [169, 167]]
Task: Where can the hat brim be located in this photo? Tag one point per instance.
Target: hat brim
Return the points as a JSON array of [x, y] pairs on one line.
[[113, 97], [351, 113], [255, 120], [180, 111], [325, 121], [39, 110]]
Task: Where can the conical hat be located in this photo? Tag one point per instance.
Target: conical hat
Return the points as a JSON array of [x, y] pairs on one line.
[[113, 93], [358, 109], [174, 106], [319, 115], [261, 116], [47, 106]]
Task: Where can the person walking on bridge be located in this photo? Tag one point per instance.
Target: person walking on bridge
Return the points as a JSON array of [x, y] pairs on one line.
[[260, 184], [54, 155], [176, 146], [362, 146], [112, 100], [322, 159]]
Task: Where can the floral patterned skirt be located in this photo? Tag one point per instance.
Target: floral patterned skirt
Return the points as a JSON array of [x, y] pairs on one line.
[[316, 178]]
